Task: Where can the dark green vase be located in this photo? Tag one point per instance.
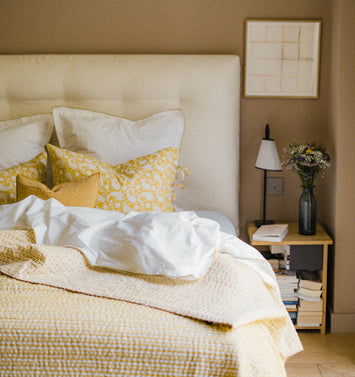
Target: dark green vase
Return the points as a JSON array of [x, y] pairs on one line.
[[307, 212]]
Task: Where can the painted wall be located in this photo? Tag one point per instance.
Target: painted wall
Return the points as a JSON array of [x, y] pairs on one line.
[[217, 27], [343, 135]]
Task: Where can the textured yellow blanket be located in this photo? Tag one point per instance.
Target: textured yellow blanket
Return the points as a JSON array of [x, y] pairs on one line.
[[230, 294]]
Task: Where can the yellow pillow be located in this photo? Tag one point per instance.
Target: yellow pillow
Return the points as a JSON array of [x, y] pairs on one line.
[[34, 169], [144, 184], [80, 193]]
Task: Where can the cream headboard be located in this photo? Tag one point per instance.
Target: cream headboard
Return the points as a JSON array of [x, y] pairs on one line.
[[205, 87]]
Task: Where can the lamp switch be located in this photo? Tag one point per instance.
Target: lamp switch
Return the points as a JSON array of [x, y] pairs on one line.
[[274, 186]]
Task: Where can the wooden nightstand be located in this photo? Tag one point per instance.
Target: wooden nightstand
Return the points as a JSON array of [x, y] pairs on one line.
[[294, 238]]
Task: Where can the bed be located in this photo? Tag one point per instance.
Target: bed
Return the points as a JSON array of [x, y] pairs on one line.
[[150, 278]]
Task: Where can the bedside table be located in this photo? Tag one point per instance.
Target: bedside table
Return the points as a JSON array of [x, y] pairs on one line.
[[320, 240]]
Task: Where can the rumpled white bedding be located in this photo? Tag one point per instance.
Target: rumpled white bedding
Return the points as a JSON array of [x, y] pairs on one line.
[[175, 245]]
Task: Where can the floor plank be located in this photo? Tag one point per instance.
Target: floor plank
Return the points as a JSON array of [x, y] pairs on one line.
[[302, 370], [330, 355], [337, 370]]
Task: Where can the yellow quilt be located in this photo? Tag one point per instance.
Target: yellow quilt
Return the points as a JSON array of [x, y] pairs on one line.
[[46, 331]]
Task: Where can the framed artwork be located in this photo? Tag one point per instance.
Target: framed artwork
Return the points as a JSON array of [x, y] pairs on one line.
[[282, 58]]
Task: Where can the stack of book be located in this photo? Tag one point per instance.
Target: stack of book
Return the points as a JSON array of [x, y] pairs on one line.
[[284, 252], [310, 313], [288, 284], [274, 263], [310, 309]]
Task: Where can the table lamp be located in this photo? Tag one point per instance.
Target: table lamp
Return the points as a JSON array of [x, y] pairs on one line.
[[268, 159]]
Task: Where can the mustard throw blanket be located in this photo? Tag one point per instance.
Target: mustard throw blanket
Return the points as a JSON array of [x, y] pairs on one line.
[[231, 293]]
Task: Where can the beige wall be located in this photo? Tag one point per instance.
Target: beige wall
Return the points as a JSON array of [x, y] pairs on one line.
[[210, 26], [343, 133]]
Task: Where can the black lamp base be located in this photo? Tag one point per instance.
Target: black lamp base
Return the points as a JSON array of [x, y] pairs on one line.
[[259, 223]]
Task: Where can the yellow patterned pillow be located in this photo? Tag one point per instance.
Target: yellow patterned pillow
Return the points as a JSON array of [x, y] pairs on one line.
[[144, 184], [34, 169]]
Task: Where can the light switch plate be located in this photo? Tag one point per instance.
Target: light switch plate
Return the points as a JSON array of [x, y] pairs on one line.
[[274, 186]]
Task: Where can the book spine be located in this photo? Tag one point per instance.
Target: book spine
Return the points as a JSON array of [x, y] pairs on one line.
[[290, 302]]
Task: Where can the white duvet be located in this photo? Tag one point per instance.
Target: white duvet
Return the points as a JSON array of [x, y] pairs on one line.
[[176, 245]]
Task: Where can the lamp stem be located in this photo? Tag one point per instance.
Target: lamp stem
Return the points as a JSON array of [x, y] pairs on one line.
[[264, 202], [267, 132]]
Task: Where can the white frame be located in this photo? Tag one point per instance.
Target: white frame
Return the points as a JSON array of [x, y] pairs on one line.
[[282, 58]]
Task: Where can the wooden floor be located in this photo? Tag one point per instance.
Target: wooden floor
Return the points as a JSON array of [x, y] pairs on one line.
[[330, 355]]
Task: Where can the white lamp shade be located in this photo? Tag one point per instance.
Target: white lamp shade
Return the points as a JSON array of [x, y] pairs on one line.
[[268, 158]]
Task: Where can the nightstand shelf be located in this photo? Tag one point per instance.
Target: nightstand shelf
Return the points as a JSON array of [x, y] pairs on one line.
[[321, 238]]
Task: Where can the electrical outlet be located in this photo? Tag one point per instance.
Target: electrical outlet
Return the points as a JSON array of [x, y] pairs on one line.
[[274, 186]]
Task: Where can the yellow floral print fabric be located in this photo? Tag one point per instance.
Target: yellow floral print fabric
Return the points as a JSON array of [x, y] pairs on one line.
[[34, 169], [144, 184]]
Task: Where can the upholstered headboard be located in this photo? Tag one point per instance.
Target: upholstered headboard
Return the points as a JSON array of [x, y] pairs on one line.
[[205, 87]]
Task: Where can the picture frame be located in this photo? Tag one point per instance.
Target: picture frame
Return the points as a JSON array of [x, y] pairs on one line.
[[282, 58]]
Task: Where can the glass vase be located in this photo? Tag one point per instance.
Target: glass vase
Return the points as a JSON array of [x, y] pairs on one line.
[[307, 212]]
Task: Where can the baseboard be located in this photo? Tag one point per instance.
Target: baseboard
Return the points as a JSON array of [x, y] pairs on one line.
[[342, 322]]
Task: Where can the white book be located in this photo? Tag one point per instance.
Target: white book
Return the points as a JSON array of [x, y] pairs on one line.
[[309, 280], [284, 289], [287, 284], [290, 306], [287, 294], [308, 298], [303, 314], [311, 305], [286, 277], [271, 233], [309, 292]]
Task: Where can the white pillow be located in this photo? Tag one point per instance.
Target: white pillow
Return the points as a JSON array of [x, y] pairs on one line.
[[24, 138], [117, 140], [224, 222]]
